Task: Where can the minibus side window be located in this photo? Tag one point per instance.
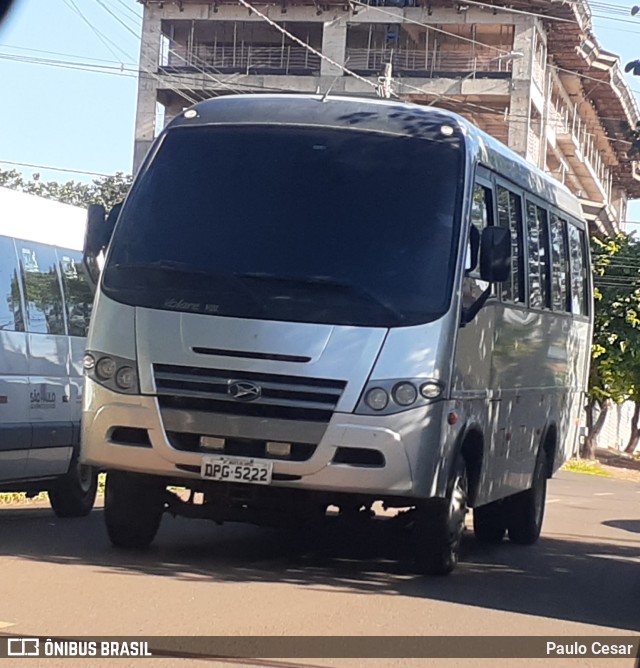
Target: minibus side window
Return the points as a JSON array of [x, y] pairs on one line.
[[11, 317], [539, 269], [480, 218], [510, 216], [45, 313], [560, 261], [579, 289]]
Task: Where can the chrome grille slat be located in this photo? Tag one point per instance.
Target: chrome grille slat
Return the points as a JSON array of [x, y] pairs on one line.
[[223, 382], [286, 397]]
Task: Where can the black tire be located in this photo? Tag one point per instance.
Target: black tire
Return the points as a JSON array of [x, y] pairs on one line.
[[75, 493], [526, 509], [133, 507], [439, 526], [490, 522]]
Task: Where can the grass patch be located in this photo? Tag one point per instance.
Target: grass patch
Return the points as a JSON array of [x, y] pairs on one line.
[[586, 466], [20, 498]]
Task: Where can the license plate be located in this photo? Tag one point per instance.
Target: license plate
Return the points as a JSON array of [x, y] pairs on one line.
[[236, 469]]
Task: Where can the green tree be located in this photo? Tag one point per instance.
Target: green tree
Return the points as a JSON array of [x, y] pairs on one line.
[[106, 190], [615, 361]]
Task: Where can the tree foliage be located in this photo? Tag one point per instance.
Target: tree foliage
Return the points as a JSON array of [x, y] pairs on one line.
[[106, 190], [615, 363]]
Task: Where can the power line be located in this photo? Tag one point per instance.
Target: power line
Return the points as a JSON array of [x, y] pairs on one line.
[[118, 19], [66, 55], [305, 45], [547, 17], [53, 169]]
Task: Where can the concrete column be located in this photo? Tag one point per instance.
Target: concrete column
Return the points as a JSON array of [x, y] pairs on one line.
[[147, 84], [521, 82], [334, 46]]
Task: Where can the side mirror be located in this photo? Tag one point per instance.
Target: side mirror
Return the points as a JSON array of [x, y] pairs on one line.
[[97, 236], [495, 254], [96, 215]]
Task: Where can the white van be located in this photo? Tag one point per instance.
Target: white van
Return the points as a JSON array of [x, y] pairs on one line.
[[45, 304]]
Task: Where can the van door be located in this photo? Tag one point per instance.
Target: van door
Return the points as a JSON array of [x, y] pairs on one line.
[[15, 427], [49, 397]]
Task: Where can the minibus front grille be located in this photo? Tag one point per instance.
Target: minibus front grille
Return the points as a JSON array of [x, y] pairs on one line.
[[275, 396]]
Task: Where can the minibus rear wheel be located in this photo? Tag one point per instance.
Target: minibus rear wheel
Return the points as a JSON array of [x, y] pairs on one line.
[[133, 507], [74, 494], [526, 509], [440, 525], [490, 522]]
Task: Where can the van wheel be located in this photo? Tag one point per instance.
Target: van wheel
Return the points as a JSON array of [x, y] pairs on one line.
[[490, 522], [439, 526], [74, 494], [526, 509], [133, 507]]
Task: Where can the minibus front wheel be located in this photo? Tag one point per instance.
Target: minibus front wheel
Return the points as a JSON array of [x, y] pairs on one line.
[[439, 525], [133, 508]]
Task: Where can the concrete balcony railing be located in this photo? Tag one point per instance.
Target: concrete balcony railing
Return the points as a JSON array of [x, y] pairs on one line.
[[421, 62], [571, 134], [245, 58]]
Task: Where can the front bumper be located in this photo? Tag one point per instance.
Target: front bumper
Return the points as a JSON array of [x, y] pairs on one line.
[[408, 441]]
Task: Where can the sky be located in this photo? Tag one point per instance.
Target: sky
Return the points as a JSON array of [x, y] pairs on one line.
[[62, 116]]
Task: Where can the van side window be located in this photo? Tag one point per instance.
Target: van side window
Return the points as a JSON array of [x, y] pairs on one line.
[[560, 263], [11, 318], [45, 314], [579, 284], [77, 293], [510, 216], [538, 254]]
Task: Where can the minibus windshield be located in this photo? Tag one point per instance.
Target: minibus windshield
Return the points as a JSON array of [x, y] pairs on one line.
[[305, 224]]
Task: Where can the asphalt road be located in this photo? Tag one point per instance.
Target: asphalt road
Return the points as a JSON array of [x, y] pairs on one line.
[[62, 578]]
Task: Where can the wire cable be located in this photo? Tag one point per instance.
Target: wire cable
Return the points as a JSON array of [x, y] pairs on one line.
[[307, 46]]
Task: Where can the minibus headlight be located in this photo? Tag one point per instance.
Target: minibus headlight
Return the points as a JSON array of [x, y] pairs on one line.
[[394, 395], [430, 390], [377, 399], [106, 368], [404, 394], [126, 378], [88, 362], [118, 374]]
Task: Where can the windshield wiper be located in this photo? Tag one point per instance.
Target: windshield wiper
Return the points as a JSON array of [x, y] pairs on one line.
[[326, 282]]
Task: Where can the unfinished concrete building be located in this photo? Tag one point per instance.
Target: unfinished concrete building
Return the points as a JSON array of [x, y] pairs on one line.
[[530, 73]]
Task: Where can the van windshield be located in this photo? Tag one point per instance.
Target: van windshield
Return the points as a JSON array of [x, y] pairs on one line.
[[286, 223]]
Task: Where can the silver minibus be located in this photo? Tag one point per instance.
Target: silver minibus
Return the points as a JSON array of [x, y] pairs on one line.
[[315, 301]]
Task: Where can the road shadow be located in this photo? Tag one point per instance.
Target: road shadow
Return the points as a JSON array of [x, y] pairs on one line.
[[571, 578], [626, 525], [619, 460]]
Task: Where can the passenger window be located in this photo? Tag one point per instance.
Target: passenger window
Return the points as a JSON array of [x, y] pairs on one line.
[[77, 293], [579, 285], [43, 296], [538, 254], [480, 218], [11, 318], [510, 216], [560, 264]]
